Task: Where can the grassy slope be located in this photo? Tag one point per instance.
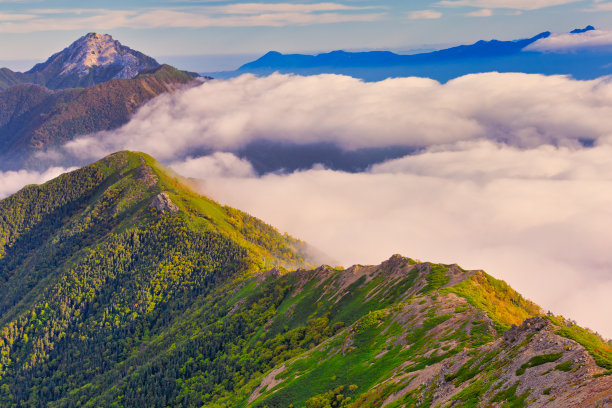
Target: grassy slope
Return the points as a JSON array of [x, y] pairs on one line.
[[387, 335], [269, 248], [404, 325]]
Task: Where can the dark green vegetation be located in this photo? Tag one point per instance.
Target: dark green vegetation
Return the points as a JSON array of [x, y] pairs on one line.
[[539, 360], [106, 301], [34, 118]]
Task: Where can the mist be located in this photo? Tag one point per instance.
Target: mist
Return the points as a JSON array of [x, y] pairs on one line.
[[522, 110], [539, 219], [512, 173]]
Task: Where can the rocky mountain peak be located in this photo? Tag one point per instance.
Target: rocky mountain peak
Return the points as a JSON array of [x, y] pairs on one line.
[[94, 58], [95, 50]]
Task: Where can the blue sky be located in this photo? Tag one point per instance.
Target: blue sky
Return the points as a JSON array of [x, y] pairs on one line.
[[35, 29]]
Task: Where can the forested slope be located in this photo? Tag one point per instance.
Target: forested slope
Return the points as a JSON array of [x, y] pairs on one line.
[[89, 269]]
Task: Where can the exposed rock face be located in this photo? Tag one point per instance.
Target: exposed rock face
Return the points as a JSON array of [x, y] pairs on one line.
[[529, 327], [147, 176], [163, 203], [92, 59], [541, 384]]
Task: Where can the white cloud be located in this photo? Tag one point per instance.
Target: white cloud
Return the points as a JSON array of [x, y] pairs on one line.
[[541, 219], [518, 109], [504, 183], [216, 165], [425, 15], [15, 17], [590, 40], [506, 4], [480, 13], [258, 8], [231, 15], [483, 161], [12, 181]]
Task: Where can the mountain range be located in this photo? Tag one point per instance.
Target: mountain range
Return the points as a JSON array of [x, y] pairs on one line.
[[120, 286], [442, 65], [97, 84], [40, 109], [94, 84]]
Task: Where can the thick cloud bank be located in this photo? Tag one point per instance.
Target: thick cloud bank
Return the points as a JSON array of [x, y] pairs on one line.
[[214, 166], [540, 219], [518, 109], [514, 177]]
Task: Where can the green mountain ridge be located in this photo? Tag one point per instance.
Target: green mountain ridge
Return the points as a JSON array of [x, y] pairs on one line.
[[121, 287]]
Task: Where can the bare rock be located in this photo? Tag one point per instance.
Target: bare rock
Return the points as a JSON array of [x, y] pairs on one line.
[[163, 203], [532, 325], [147, 175]]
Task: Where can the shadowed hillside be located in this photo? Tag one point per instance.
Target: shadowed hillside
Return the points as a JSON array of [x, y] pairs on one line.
[[34, 118]]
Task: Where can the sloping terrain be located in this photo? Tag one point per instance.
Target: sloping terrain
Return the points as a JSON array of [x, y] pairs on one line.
[[90, 60], [121, 287], [419, 335], [34, 118], [94, 84]]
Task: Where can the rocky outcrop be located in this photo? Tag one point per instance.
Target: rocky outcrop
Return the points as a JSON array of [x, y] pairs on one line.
[[163, 204], [529, 327]]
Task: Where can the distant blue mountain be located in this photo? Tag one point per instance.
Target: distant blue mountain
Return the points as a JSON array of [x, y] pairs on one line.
[[442, 65], [582, 30], [343, 59]]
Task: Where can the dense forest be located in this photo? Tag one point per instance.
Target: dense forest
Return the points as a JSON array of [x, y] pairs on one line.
[[106, 300]]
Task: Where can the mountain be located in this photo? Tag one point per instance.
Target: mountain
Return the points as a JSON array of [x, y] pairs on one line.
[[90, 60], [119, 286], [94, 84], [582, 30], [340, 59], [34, 118], [442, 65]]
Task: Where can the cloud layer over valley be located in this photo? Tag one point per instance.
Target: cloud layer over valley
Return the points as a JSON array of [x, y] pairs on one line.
[[514, 173], [518, 109], [540, 219], [11, 181]]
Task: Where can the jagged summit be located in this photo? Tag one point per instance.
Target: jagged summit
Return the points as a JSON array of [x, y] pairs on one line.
[[92, 59], [98, 50]]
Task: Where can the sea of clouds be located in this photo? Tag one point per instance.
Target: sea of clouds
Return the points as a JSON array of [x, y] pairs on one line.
[[514, 173]]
